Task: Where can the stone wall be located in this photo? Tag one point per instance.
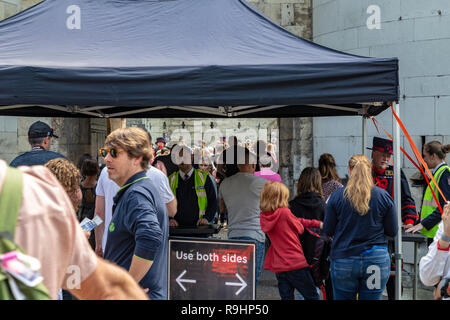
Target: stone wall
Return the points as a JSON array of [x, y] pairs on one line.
[[74, 136], [9, 8], [296, 134]]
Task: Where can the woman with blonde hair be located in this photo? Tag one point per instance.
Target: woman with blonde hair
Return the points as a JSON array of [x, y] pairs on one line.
[[285, 256], [359, 217]]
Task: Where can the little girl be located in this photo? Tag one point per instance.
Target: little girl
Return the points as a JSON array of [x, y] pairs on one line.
[[285, 256]]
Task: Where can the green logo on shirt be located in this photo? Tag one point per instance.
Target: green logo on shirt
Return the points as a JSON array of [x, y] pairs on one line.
[[112, 227]]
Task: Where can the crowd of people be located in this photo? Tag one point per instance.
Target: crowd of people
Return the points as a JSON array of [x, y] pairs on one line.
[[145, 188]]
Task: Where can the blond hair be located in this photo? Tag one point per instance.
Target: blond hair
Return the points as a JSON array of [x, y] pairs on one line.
[[274, 195], [135, 141], [360, 183], [68, 176]]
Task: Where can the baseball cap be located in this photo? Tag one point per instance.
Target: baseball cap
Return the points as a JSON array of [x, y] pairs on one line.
[[40, 129]]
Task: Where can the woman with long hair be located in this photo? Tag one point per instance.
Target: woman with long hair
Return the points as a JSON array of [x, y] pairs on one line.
[[308, 203], [434, 154], [359, 217], [330, 178]]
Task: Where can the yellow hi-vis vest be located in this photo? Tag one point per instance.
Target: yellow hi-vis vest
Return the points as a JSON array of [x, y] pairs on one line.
[[200, 177], [429, 204]]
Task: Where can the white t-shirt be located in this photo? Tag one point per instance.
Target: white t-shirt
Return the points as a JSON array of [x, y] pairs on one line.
[[241, 194], [435, 265], [108, 189]]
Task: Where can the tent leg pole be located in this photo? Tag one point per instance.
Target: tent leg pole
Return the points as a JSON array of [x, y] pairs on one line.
[[397, 200], [364, 135]]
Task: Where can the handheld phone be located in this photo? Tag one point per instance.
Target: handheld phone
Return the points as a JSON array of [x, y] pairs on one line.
[[89, 225]]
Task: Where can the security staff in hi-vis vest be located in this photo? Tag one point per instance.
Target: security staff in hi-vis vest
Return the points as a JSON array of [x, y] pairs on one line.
[[194, 190], [383, 177], [434, 154]]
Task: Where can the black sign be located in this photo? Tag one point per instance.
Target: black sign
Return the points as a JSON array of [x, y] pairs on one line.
[[211, 269]]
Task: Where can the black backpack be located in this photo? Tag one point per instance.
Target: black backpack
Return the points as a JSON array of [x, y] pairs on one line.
[[316, 248]]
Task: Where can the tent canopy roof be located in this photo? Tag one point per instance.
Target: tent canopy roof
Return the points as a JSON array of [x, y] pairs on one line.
[[177, 58]]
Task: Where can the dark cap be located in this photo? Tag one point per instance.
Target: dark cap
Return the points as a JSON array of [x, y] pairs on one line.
[[40, 129], [382, 145], [160, 139]]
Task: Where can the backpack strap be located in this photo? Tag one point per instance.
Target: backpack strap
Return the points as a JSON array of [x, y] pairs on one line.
[[10, 201]]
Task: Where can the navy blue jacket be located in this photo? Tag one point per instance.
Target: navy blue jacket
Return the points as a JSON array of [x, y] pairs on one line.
[[352, 233], [36, 157], [140, 226]]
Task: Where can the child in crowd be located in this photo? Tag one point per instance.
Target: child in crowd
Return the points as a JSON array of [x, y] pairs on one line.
[[285, 256]]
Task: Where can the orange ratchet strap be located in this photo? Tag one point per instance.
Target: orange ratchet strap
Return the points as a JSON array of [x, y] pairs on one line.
[[419, 157]]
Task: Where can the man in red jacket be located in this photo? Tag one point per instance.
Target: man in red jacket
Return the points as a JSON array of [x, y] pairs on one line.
[[285, 256]]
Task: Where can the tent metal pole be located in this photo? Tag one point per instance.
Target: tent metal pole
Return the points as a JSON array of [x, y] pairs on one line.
[[240, 113], [327, 106], [204, 110], [125, 113], [364, 135], [397, 200]]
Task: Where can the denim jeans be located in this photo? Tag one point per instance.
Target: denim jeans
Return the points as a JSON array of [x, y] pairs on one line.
[[300, 279], [260, 251], [366, 275]]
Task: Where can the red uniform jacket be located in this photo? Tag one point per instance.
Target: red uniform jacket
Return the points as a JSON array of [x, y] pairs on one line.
[[385, 180]]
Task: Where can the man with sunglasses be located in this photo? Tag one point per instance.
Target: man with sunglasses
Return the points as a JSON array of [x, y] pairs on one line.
[[106, 190], [139, 228], [39, 136]]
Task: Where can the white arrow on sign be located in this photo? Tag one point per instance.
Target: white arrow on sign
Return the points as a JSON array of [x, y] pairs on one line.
[[179, 280], [242, 284]]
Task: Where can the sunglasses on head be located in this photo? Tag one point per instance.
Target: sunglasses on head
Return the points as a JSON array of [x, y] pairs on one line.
[[112, 151]]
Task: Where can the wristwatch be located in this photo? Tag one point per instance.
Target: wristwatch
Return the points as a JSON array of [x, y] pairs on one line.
[[445, 238]]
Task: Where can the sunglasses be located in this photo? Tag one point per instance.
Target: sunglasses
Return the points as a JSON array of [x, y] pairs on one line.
[[113, 152]]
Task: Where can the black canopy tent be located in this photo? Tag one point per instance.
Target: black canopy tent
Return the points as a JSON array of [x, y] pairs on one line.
[[181, 58], [177, 58]]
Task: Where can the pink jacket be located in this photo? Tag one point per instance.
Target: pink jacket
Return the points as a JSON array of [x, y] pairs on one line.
[[283, 229]]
